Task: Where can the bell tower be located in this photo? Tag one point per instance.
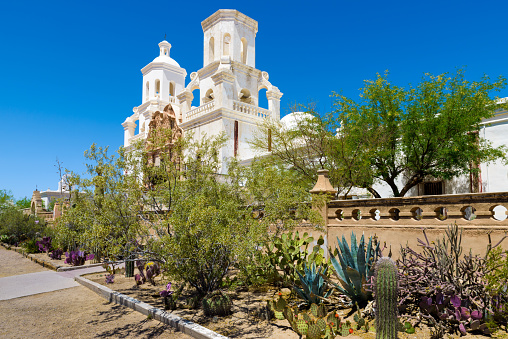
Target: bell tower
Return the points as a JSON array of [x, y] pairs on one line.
[[163, 79], [229, 34]]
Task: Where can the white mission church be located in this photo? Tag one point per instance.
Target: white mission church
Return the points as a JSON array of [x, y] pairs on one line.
[[229, 84]]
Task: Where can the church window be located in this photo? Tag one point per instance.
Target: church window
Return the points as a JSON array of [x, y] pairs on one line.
[[211, 50], [433, 188], [147, 90], [262, 98], [157, 87], [236, 138], [244, 50], [172, 88], [227, 42]]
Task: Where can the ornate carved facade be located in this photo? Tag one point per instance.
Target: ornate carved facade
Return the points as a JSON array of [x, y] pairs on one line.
[[163, 132]]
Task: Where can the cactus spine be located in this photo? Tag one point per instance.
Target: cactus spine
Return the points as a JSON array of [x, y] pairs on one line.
[[385, 287]]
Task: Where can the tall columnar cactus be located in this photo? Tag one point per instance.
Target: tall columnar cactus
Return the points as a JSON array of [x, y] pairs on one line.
[[385, 289]]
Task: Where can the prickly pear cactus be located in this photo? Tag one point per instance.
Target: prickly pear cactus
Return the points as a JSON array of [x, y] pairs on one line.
[[344, 331], [385, 287], [278, 307], [315, 323], [217, 303]]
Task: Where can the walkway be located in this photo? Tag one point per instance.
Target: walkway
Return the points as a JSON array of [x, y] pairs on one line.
[[39, 303]]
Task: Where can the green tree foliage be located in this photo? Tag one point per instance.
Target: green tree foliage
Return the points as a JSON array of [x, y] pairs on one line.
[[102, 217], [427, 130], [19, 227], [165, 201], [393, 135], [6, 199], [316, 142], [23, 203], [304, 146]]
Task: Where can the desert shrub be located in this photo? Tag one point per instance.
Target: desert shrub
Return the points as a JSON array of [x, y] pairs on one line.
[[497, 286], [20, 227], [208, 233], [30, 246], [444, 287]]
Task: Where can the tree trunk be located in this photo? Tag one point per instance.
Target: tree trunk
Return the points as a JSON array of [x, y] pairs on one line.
[[373, 192]]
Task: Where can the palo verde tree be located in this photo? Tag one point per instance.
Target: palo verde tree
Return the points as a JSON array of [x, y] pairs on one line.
[[102, 217], [392, 135], [315, 142], [430, 130], [167, 198]]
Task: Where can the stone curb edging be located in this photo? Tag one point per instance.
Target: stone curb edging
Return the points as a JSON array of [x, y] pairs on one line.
[[185, 326], [72, 268]]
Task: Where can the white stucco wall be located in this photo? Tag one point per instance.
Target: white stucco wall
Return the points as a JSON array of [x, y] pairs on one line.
[[495, 175]]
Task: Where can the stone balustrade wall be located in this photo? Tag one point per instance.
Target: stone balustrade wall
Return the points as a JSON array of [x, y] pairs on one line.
[[398, 221]]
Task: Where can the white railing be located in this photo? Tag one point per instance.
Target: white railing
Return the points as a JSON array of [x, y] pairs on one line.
[[139, 136], [250, 109], [238, 106], [199, 111]]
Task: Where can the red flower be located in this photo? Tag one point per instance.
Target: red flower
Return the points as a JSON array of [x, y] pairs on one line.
[[350, 330], [280, 293]]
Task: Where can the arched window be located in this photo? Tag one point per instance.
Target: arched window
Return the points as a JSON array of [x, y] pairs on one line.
[[171, 89], [211, 50], [262, 99], [147, 91], [227, 42], [244, 50], [157, 87]]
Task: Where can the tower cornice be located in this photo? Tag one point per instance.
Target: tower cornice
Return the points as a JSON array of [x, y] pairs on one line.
[[162, 66], [229, 14]]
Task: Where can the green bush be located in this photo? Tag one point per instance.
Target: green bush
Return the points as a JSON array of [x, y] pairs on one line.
[[20, 227], [497, 286]]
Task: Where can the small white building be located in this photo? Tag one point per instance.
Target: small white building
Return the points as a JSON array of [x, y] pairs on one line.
[[54, 195], [228, 86]]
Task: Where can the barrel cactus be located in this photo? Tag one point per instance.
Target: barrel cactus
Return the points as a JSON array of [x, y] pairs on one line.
[[217, 303], [385, 288]]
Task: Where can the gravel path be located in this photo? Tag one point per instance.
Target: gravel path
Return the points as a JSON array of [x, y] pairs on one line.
[[69, 313]]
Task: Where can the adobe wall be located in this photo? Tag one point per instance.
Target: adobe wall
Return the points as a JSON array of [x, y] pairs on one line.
[[398, 221]]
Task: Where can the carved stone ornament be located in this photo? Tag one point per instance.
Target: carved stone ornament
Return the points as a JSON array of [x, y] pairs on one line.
[[163, 128]]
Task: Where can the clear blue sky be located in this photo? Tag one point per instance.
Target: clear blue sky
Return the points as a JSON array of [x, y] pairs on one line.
[[71, 69]]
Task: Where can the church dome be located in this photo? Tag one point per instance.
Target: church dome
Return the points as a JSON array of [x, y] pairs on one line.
[[164, 54], [290, 121], [167, 60]]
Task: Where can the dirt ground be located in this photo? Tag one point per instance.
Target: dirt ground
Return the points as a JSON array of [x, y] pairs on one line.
[[12, 263], [70, 313], [245, 322], [79, 313]]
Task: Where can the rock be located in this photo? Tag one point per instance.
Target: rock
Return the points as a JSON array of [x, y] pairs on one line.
[[285, 292]]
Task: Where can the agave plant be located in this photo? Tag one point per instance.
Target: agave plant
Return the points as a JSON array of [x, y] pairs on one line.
[[314, 286], [354, 267]]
